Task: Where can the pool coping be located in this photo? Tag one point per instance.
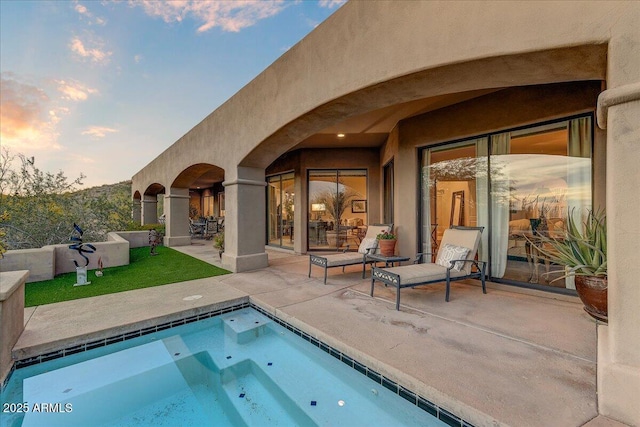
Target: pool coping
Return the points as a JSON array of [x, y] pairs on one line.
[[393, 386]]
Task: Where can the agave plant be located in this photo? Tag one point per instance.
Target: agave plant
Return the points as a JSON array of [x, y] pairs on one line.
[[582, 249]]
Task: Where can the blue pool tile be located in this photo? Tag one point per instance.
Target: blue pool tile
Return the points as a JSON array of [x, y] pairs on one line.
[[374, 376], [391, 385], [407, 395], [449, 418], [360, 367], [133, 334], [347, 360], [314, 403], [270, 364], [426, 405], [95, 344], [119, 338], [241, 395], [73, 350]]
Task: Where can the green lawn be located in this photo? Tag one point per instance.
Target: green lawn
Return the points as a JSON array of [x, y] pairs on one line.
[[144, 271]]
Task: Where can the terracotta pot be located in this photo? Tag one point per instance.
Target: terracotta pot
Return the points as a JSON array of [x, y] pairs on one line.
[[593, 293], [387, 247]]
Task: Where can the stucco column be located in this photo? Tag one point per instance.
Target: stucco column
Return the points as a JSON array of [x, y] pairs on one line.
[[619, 341], [244, 223], [176, 209], [149, 209], [136, 211]]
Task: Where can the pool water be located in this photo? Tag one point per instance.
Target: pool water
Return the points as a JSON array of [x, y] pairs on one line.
[[237, 369]]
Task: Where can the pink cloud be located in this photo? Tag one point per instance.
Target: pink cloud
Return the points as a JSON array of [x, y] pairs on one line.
[[231, 16], [75, 91], [94, 53], [98, 131], [27, 118], [330, 4], [84, 13]]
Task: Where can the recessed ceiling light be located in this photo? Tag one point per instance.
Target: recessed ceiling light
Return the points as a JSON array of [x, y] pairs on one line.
[[341, 135]]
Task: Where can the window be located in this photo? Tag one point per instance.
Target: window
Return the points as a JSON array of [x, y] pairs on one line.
[[388, 193], [519, 185], [337, 208], [280, 210]]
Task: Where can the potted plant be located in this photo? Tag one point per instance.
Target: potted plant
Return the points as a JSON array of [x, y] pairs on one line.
[[218, 243], [387, 243], [583, 251]]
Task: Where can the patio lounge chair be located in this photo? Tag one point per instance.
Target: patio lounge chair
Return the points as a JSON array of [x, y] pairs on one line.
[[368, 245], [456, 257]]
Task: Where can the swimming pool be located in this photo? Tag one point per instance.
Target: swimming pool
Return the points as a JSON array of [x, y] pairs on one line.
[[240, 368]]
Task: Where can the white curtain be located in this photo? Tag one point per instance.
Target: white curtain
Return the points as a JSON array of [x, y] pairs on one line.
[[499, 199], [482, 191], [579, 167], [426, 205]]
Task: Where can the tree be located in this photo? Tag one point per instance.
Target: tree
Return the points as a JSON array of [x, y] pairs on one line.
[[42, 207]]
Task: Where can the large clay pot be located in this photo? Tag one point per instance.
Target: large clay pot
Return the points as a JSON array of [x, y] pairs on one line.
[[387, 247], [593, 293]]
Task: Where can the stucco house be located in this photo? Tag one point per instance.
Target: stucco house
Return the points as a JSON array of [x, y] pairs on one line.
[[428, 114]]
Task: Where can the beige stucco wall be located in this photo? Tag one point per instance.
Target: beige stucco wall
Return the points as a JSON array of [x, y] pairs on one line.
[[389, 40], [47, 262], [11, 316], [39, 261], [370, 55]]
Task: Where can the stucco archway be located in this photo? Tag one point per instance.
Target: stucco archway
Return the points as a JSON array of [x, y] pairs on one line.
[[194, 193], [151, 207]]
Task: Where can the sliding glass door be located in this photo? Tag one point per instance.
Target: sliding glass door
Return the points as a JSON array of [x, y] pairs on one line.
[[520, 185], [546, 175], [451, 176], [280, 209], [337, 208]]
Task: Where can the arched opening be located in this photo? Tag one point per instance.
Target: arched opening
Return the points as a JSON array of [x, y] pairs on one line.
[[153, 205], [136, 208], [200, 185]]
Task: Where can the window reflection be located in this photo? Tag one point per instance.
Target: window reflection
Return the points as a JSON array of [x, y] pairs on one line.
[[519, 185]]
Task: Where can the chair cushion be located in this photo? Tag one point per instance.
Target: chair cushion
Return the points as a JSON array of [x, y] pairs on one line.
[[448, 253], [422, 273], [346, 258], [367, 242]]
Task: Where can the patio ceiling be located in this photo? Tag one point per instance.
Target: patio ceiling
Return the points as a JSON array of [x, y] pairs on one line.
[[372, 128]]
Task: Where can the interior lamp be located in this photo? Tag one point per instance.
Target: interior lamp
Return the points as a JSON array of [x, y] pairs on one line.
[[318, 208]]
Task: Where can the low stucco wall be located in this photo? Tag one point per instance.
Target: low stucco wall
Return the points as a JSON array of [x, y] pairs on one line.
[[136, 239], [40, 262], [47, 262], [11, 315]]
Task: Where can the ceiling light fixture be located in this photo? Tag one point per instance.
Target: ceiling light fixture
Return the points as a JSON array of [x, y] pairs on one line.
[[340, 135]]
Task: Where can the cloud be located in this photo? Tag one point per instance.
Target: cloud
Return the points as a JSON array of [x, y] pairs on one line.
[[330, 4], [94, 54], [137, 58], [231, 16], [75, 91], [98, 131], [27, 118], [84, 13]]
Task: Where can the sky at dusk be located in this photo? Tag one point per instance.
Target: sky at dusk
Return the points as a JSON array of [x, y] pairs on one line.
[[103, 87]]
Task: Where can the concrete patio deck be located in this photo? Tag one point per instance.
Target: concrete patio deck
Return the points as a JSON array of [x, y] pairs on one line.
[[511, 357]]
